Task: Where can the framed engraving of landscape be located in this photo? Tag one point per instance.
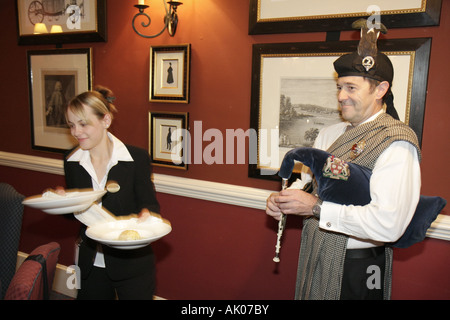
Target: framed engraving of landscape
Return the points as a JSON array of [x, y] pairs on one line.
[[294, 93]]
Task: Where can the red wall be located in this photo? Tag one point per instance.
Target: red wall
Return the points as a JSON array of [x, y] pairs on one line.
[[215, 251]]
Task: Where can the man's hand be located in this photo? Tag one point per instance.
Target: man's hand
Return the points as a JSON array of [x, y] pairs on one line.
[[290, 201], [272, 207]]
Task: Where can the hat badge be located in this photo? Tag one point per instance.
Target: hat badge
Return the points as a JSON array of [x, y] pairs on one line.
[[368, 62]]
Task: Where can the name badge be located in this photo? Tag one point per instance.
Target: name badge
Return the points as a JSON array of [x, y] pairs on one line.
[[112, 186]]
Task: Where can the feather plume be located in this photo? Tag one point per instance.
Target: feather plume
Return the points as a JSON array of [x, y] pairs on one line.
[[368, 42]]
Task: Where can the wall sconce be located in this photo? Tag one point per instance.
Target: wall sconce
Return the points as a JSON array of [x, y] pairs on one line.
[[170, 19]]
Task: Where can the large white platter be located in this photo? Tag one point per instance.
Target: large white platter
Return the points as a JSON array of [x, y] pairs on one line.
[[72, 201], [150, 230]]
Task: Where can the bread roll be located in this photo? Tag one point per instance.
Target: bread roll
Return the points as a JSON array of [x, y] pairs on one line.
[[129, 235]]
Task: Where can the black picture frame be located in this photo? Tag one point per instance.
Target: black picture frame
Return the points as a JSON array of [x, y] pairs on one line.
[[69, 70], [165, 153], [332, 22], [418, 49], [178, 91], [30, 12]]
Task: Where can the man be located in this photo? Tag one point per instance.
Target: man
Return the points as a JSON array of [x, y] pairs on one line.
[[343, 253]]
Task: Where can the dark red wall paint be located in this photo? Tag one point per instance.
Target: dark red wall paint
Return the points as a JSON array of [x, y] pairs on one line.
[[215, 251]]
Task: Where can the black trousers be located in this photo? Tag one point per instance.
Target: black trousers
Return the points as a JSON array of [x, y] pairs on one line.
[[363, 277], [98, 286]]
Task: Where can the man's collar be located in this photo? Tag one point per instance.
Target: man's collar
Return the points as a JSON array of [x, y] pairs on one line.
[[373, 117]]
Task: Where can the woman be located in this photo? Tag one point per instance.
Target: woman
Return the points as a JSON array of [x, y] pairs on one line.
[[101, 158]]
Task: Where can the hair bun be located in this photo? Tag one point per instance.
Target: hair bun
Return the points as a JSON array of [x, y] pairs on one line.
[[105, 92]]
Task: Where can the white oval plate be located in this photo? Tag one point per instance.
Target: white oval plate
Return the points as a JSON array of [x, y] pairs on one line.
[[150, 230], [72, 201]]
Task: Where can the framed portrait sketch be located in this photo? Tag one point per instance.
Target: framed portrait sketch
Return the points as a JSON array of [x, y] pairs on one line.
[[60, 21], [55, 77], [169, 139], [292, 16], [169, 73], [294, 93]]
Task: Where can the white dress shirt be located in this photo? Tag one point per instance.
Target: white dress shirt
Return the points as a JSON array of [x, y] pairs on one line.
[[394, 189]]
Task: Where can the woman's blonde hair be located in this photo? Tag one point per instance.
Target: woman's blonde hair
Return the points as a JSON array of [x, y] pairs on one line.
[[99, 100]]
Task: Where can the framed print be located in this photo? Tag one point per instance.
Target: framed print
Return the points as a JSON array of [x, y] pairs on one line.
[[60, 21], [168, 139], [169, 73], [55, 77], [292, 16], [294, 93]]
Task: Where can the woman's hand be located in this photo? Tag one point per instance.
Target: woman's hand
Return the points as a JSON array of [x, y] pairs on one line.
[[143, 215], [58, 190]]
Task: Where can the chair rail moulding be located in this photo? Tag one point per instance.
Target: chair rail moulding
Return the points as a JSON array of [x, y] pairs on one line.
[[192, 188]]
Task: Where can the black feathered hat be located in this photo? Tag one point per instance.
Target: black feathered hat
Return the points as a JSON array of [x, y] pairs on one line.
[[368, 62]]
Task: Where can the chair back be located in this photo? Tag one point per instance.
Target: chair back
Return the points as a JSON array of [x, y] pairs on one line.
[[34, 278], [11, 212]]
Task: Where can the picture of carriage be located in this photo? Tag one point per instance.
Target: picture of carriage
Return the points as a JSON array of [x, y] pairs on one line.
[[54, 10], [61, 21]]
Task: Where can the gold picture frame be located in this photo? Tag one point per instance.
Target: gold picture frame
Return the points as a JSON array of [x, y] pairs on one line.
[[294, 16]]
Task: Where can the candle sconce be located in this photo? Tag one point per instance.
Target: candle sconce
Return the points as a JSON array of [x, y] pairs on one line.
[[170, 18]]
